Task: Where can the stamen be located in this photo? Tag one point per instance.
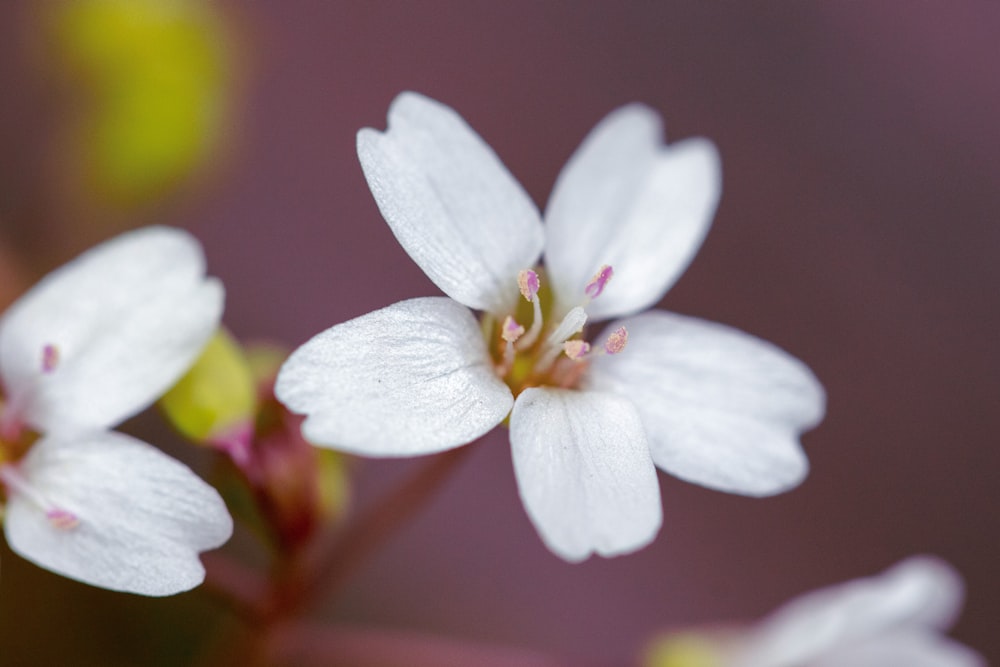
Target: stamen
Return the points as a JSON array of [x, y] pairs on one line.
[[598, 282], [50, 358], [16, 483], [616, 341], [511, 330], [527, 282], [576, 349], [62, 519], [571, 325]]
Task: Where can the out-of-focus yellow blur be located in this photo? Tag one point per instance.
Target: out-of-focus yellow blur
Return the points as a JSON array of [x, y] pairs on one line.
[[683, 650], [156, 74], [217, 394]]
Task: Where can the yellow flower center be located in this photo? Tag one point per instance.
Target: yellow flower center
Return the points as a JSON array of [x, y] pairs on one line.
[[548, 353]]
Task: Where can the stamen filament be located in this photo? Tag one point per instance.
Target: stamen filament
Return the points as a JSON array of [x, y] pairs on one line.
[[529, 284], [536, 326]]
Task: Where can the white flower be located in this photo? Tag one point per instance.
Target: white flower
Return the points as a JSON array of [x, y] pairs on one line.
[[711, 404], [895, 619], [892, 620], [92, 344]]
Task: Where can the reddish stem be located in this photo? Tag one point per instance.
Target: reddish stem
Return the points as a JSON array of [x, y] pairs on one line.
[[322, 574]]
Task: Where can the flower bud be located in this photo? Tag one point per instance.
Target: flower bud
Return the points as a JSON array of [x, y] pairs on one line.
[[217, 397]]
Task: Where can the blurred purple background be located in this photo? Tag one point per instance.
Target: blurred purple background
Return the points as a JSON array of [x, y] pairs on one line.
[[857, 229]]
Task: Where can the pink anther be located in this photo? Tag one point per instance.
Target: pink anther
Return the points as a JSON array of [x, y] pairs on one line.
[[598, 282], [616, 341], [576, 349], [527, 282], [62, 519], [511, 330], [50, 358]]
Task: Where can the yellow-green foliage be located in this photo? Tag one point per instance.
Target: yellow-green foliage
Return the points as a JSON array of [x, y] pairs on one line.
[[157, 72]]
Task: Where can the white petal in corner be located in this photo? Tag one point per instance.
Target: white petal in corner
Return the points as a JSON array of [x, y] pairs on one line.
[[452, 204], [904, 649], [143, 517], [125, 320], [626, 200], [921, 593], [584, 473], [413, 378], [721, 408]]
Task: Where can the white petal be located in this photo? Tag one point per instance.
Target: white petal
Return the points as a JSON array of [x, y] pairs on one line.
[[904, 649], [921, 593], [413, 378], [125, 319], [143, 517], [626, 200], [584, 473], [451, 203], [721, 408]]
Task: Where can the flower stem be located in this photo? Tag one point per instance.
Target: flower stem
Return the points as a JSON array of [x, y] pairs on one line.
[[314, 574], [371, 529]]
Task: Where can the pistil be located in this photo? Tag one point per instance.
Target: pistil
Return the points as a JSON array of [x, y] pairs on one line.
[[571, 325]]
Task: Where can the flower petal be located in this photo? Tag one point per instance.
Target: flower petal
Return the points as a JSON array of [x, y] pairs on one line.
[[119, 324], [721, 408], [921, 593], [451, 203], [903, 649], [584, 473], [626, 200], [143, 517], [412, 378]]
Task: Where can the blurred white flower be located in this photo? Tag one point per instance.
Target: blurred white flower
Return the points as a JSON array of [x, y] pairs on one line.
[[588, 419], [92, 344], [895, 619]]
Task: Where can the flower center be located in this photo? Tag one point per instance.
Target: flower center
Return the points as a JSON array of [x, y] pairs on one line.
[[15, 482], [548, 353], [16, 440]]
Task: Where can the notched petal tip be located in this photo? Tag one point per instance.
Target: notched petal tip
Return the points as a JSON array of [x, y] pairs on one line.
[[634, 117], [412, 378], [138, 531], [584, 472], [451, 203]]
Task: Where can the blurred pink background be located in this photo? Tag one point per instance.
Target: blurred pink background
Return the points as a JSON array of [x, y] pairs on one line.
[[857, 230]]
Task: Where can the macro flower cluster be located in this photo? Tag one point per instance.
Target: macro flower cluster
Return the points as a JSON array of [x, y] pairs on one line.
[[548, 328]]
